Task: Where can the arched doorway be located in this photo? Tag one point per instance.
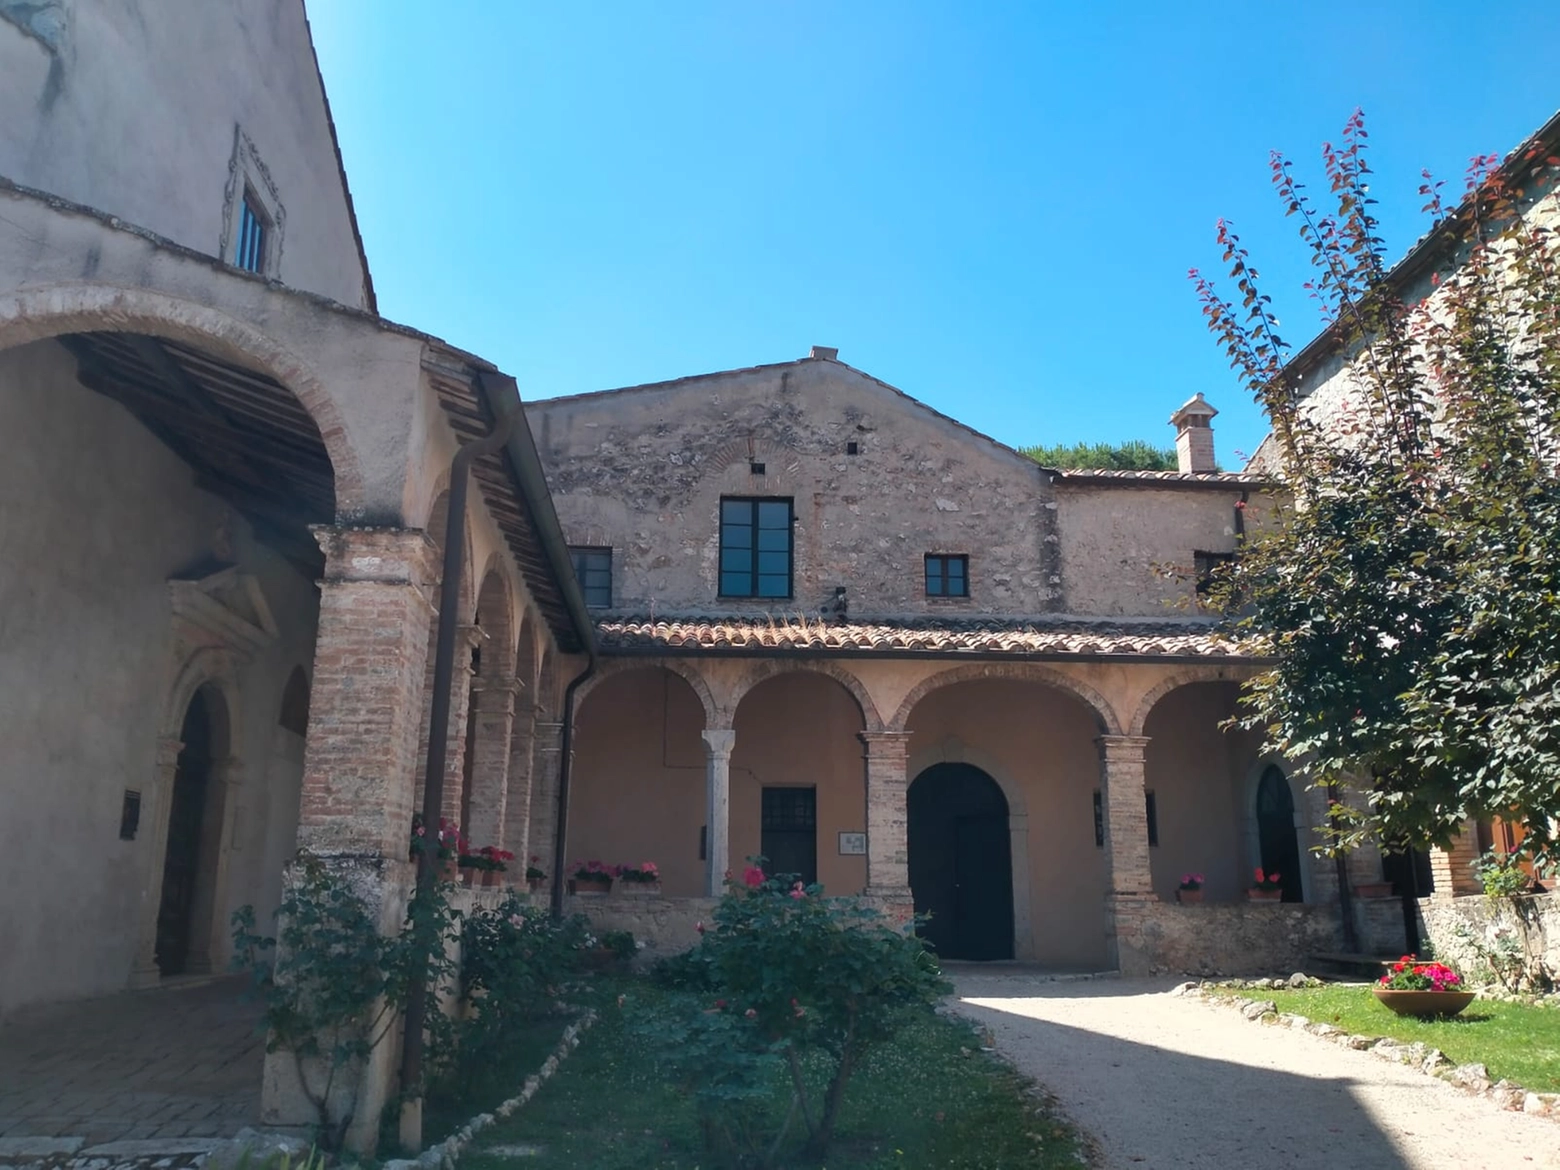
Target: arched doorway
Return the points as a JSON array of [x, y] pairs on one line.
[[961, 865], [1278, 846], [184, 856]]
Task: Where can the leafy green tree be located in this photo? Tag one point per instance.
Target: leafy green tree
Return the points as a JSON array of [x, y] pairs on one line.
[[1135, 455], [1407, 585]]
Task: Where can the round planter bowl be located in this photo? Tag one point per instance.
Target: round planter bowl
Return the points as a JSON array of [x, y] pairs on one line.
[[1424, 1004]]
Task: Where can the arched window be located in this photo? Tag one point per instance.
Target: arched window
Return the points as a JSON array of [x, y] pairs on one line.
[[1279, 847]]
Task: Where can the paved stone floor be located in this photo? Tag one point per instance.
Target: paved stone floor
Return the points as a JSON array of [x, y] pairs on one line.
[[171, 1063]]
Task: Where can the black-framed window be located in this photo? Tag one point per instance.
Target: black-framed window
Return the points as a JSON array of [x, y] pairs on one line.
[[593, 567], [755, 546], [947, 575], [251, 236], [1206, 564]]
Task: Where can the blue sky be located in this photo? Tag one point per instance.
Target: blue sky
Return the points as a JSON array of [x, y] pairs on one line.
[[992, 206]]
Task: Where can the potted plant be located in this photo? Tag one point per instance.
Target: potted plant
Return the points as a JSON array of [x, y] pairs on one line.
[[590, 877], [1410, 988], [535, 875], [1190, 889], [643, 878], [1267, 887], [614, 950], [447, 845], [489, 862]]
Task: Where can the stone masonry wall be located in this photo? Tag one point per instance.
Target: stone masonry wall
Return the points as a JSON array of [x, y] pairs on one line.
[[1532, 923], [644, 470], [1251, 938]]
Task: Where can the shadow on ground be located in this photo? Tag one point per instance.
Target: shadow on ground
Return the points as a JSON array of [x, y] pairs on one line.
[[1151, 1104]]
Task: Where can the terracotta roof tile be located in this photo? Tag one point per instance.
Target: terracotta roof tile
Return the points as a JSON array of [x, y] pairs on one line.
[[1225, 478], [985, 638]]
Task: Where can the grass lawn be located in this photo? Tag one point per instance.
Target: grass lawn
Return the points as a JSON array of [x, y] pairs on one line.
[[456, 1099], [932, 1099], [1512, 1040]]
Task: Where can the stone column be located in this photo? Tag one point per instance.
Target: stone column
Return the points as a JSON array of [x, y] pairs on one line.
[[1129, 876], [490, 760], [718, 743], [517, 805], [546, 749], [1126, 814], [155, 806], [888, 869], [360, 760]]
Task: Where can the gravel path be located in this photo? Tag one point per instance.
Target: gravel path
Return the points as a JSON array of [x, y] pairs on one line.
[[1168, 1081]]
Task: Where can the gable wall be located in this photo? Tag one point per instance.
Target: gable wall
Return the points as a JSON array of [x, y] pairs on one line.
[[131, 108], [644, 471]]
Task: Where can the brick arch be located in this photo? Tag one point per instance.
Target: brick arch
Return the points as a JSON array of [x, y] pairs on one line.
[[46, 313], [764, 671], [688, 673], [1182, 678], [495, 606], [437, 521], [1035, 672], [528, 655]]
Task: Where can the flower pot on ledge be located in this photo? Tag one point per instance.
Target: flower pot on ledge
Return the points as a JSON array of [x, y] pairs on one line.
[[642, 889], [1188, 897], [1265, 895], [590, 885]]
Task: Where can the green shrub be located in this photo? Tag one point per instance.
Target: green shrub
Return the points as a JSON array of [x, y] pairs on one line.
[[1502, 874], [788, 977]]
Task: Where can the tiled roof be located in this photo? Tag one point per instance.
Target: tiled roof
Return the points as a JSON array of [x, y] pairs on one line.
[[984, 638], [1223, 478]]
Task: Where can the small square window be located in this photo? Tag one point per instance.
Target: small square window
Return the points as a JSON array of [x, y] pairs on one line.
[[755, 467], [1206, 564], [251, 235], [593, 567], [947, 576], [853, 448]]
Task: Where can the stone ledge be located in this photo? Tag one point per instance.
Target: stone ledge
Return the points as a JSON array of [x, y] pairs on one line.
[[1471, 1078]]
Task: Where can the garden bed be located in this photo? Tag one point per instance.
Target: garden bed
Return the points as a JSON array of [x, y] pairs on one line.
[[933, 1097], [1516, 1042]]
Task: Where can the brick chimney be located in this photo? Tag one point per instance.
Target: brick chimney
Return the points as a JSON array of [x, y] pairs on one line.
[[1193, 425]]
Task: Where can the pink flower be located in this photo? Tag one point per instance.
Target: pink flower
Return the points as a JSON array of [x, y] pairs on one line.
[[699, 926], [751, 1013], [797, 891], [753, 876]]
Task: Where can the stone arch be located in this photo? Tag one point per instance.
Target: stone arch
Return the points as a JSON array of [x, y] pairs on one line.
[[1037, 672], [47, 313], [689, 674], [528, 657], [770, 668], [210, 667], [437, 524], [1195, 674]]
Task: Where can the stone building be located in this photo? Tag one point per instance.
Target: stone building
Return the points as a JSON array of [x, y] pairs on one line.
[[222, 508], [845, 632]]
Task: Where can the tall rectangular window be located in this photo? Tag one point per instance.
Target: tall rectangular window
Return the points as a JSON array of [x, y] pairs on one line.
[[251, 236], [755, 547], [789, 834], [947, 576], [593, 568]]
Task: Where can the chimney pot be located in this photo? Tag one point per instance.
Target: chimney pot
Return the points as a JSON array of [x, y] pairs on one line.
[[825, 352], [1193, 425]]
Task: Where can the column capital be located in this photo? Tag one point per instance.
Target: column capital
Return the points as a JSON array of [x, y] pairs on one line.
[[1123, 747], [884, 743], [168, 749], [495, 694], [385, 556], [718, 741]]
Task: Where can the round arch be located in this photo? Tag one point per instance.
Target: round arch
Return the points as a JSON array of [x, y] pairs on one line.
[[212, 668], [1036, 672], [47, 313], [437, 524], [689, 674], [772, 668], [1173, 682], [494, 613]]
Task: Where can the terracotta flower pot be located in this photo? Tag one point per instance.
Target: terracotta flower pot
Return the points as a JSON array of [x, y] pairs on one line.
[[491, 878], [642, 888], [1265, 895], [536, 885], [590, 885], [1188, 897], [1423, 1003]]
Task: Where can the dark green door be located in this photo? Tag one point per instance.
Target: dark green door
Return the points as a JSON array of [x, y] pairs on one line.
[[961, 866]]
